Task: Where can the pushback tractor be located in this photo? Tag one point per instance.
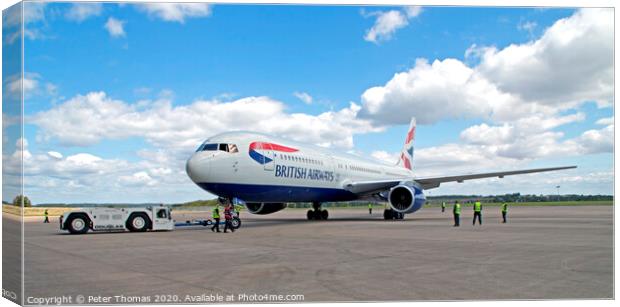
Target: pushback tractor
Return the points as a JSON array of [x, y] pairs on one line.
[[134, 219]]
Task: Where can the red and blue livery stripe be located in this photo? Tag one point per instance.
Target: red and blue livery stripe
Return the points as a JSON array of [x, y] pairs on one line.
[[262, 159]]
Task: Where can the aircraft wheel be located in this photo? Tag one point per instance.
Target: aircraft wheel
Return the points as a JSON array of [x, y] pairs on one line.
[[236, 223], [387, 214], [324, 214], [310, 215]]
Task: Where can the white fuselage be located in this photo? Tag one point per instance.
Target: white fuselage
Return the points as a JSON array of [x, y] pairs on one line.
[[260, 168]]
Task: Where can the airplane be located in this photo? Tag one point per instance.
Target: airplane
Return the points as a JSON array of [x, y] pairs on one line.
[[267, 172]]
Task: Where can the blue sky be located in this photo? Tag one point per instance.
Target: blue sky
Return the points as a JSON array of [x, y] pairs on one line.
[[153, 61]]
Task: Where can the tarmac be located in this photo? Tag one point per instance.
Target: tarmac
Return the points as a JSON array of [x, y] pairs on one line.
[[541, 253]]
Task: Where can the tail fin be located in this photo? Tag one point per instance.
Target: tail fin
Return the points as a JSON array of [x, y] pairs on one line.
[[406, 155]]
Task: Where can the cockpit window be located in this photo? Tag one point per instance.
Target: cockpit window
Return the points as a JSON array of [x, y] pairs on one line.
[[232, 148], [209, 147]]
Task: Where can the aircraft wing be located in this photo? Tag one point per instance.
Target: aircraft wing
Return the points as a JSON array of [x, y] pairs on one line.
[[376, 186], [369, 187], [433, 182]]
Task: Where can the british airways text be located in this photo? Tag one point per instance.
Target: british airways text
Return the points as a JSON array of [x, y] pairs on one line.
[[303, 173]]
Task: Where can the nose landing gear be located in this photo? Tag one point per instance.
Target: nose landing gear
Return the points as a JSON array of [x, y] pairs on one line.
[[317, 213]]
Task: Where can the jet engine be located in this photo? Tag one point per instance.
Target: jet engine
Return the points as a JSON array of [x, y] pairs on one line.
[[264, 208], [406, 198]]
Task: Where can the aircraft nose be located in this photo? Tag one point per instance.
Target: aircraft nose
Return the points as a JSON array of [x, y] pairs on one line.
[[197, 168]]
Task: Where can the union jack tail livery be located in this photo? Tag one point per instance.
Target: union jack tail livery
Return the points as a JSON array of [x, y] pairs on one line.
[[406, 155]]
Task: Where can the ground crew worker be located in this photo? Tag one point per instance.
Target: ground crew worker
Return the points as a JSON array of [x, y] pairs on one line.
[[47, 220], [370, 208], [456, 210], [228, 217], [504, 211], [478, 212], [443, 206], [216, 216]]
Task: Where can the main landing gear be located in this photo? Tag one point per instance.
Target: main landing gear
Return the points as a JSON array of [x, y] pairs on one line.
[[317, 213], [390, 214]]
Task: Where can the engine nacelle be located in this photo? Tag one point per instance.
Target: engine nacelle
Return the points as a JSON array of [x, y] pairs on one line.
[[264, 208], [406, 198]]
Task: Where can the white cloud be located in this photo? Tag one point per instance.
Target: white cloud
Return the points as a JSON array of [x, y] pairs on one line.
[[175, 12], [506, 147], [54, 154], [483, 134], [32, 86], [528, 26], [303, 96], [386, 157], [156, 176], [455, 159], [115, 27], [34, 12], [522, 128], [137, 179], [385, 26], [596, 140], [29, 85], [79, 12], [413, 11], [445, 89], [605, 121], [570, 64], [86, 120], [532, 138], [388, 22]]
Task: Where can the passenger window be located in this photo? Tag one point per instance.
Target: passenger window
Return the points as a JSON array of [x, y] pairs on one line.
[[161, 214]]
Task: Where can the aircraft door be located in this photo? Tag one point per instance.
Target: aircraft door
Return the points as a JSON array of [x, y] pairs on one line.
[[269, 158]]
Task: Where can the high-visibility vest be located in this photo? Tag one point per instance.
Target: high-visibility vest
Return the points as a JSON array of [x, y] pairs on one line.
[[457, 208], [369, 206], [477, 206], [505, 207], [443, 205], [45, 212], [216, 212]]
